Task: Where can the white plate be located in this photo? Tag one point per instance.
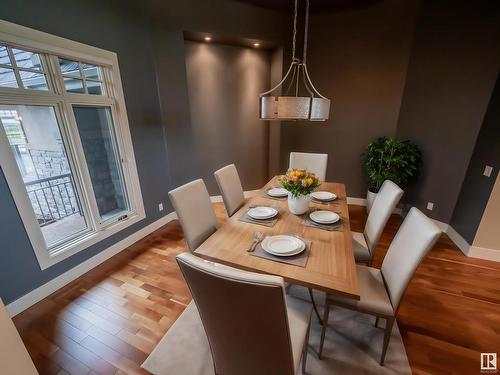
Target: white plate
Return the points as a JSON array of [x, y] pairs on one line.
[[283, 245], [324, 217], [323, 196], [277, 192], [262, 212]]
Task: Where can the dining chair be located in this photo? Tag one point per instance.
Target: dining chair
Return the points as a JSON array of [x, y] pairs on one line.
[[251, 325], [230, 186], [381, 290], [195, 212], [315, 163], [364, 244]]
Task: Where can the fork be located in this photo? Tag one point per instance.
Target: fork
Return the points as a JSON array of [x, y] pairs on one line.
[[257, 238]]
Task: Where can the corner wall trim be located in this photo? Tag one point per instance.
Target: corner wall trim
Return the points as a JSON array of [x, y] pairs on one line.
[[484, 253], [55, 284]]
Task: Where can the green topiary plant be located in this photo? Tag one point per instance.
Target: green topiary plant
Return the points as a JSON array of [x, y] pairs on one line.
[[388, 158]]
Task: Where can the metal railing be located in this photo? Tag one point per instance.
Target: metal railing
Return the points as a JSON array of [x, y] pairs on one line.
[[53, 198]]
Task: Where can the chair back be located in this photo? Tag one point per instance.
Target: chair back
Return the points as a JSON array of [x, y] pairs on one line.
[[244, 315], [414, 239], [195, 212], [230, 186], [315, 163], [385, 202]]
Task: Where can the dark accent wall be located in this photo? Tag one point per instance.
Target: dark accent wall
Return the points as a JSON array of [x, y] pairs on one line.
[[452, 72], [220, 17], [224, 83], [100, 24], [477, 188], [358, 58]]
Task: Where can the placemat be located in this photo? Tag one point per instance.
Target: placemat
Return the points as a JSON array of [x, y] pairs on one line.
[[266, 222], [338, 226], [295, 260], [265, 195]]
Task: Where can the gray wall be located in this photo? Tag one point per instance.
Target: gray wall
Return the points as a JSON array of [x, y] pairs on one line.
[[357, 58], [452, 72], [117, 30], [148, 39], [477, 188], [221, 17], [224, 83]]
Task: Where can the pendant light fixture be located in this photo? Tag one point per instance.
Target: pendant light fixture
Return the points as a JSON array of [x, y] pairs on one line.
[[286, 106]]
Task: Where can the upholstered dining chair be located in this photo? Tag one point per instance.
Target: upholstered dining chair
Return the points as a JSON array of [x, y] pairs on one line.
[[315, 163], [195, 212], [364, 244], [381, 290], [251, 325], [230, 187]]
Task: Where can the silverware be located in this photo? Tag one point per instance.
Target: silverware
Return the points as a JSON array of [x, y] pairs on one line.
[[257, 238]]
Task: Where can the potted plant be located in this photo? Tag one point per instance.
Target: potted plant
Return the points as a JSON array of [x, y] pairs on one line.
[[300, 184], [389, 158]]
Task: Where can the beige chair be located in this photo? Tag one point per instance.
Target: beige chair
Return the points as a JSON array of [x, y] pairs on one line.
[[230, 186], [195, 212], [381, 290], [251, 326], [315, 163], [364, 244]]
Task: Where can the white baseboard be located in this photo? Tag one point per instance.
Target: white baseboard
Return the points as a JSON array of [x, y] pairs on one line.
[[454, 236], [53, 285], [443, 226], [484, 253], [458, 240]]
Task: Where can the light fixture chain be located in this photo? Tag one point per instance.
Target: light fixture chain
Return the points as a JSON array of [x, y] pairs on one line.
[[294, 31], [306, 29]]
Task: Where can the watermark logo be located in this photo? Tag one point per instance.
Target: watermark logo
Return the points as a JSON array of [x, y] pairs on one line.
[[488, 362]]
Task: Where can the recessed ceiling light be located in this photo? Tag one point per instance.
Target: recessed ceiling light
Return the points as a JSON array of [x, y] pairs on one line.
[[207, 38], [256, 44]]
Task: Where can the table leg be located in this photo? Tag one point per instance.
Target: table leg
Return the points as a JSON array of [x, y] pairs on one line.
[[314, 305]]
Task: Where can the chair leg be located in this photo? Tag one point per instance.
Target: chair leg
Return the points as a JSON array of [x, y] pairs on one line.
[[387, 336], [304, 351], [314, 305], [376, 322], [323, 331]]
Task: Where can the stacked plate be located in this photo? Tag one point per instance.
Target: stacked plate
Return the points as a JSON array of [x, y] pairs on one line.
[[262, 212], [283, 245], [324, 196], [277, 192], [324, 217]]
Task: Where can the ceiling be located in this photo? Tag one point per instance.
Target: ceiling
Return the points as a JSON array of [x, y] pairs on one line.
[[315, 5]]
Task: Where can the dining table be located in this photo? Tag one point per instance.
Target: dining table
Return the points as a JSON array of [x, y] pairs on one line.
[[330, 265]]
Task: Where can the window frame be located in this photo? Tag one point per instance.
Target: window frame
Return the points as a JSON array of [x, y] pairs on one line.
[[52, 47]]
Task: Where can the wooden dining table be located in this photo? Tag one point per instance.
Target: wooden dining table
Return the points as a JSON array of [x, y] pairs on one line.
[[330, 266]]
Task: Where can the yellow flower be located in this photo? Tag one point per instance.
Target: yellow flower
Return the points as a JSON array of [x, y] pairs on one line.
[[309, 181]]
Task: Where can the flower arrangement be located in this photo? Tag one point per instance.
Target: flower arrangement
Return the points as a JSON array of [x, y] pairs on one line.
[[299, 182]]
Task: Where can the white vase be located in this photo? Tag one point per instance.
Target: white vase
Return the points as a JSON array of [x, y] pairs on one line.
[[298, 205], [370, 198]]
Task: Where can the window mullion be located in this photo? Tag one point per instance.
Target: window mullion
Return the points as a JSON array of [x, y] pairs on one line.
[[81, 165], [14, 67]]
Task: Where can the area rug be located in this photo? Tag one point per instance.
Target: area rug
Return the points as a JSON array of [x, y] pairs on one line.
[[352, 346]]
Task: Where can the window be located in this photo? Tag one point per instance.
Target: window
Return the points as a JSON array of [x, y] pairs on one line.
[[65, 145]]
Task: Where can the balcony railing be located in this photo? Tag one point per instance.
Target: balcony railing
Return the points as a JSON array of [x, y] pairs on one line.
[[53, 198]]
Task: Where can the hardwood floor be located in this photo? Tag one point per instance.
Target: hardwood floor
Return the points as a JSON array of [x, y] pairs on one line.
[[108, 320]]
